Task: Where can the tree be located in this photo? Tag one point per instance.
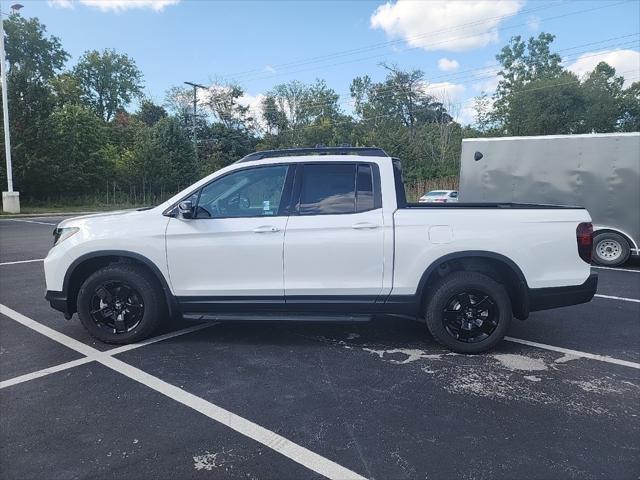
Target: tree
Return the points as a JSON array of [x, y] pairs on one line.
[[224, 103], [547, 106], [482, 106], [66, 90], [535, 95], [179, 101], [33, 60], [149, 113], [274, 119], [630, 121], [74, 160], [164, 159], [109, 81], [302, 114], [604, 99], [522, 63]]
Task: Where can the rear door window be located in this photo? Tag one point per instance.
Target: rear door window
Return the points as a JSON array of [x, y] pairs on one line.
[[328, 189], [364, 192]]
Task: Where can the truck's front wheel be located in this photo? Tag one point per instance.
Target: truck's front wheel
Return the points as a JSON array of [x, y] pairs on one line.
[[120, 304], [468, 312]]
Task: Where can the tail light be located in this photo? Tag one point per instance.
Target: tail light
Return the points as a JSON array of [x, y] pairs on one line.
[[584, 236]]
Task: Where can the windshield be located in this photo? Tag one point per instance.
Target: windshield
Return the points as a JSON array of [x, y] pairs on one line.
[[435, 194]]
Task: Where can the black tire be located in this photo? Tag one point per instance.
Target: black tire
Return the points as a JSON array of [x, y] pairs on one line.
[[477, 332], [132, 284], [610, 249]]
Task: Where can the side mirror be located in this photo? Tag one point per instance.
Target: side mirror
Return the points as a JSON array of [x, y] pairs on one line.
[[477, 156], [185, 209]]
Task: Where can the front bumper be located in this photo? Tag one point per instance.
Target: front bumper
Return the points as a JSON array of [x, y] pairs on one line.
[[58, 301], [546, 298]]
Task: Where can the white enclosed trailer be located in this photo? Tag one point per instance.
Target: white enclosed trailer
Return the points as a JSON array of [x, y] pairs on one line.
[[600, 172]]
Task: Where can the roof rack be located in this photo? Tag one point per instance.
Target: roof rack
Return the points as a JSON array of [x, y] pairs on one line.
[[292, 152]]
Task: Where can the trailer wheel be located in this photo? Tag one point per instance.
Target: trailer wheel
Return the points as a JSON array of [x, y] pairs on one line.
[[610, 249]]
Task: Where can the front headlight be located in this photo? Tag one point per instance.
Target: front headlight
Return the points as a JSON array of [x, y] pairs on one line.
[[60, 234]]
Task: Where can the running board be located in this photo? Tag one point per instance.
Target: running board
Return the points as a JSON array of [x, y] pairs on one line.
[[278, 317]]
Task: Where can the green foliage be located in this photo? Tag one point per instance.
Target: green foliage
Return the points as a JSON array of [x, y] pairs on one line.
[[33, 62], [630, 121], [536, 95], [109, 81], [603, 95], [73, 140], [72, 157], [149, 113], [159, 161]]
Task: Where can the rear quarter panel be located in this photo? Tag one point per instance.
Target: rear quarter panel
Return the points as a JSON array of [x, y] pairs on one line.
[[541, 242]]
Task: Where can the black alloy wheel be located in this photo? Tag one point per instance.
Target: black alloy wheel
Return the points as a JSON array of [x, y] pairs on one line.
[[470, 316], [468, 312], [121, 303], [116, 307]]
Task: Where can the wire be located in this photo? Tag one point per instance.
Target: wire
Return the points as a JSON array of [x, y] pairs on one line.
[[267, 77], [487, 73], [426, 107], [374, 46]]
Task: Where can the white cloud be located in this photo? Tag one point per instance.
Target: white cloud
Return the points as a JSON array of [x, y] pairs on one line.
[[60, 3], [447, 65], [488, 85], [254, 102], [467, 114], [116, 5], [533, 23], [445, 91], [626, 63], [269, 69], [444, 25]]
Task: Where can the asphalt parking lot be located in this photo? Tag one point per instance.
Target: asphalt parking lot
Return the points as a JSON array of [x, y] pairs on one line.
[[559, 399]]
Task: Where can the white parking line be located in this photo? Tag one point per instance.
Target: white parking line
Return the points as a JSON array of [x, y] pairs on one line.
[[31, 221], [576, 353], [114, 351], [159, 338], [617, 269], [624, 299], [272, 440], [44, 372], [22, 261]]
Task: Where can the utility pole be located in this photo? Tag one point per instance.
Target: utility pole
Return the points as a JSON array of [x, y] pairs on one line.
[[10, 199], [195, 113]]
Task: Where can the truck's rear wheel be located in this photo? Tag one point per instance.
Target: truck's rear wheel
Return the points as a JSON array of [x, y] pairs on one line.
[[120, 304], [610, 249], [468, 312]]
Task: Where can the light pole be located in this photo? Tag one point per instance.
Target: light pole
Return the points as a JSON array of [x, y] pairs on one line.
[[195, 106], [10, 199]]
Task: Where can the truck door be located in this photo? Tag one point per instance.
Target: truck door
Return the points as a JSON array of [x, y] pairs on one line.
[[334, 237], [233, 245]]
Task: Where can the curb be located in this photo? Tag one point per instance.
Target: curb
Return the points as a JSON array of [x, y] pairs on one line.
[[57, 214]]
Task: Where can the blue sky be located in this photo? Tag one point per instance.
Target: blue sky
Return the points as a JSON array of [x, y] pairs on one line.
[[255, 43]]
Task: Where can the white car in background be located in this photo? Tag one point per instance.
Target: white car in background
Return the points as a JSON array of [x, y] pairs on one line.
[[439, 196]]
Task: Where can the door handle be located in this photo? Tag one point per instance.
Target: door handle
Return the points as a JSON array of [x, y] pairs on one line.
[[364, 226], [266, 229]]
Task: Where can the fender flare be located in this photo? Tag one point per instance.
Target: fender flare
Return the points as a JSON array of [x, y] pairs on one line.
[[172, 305], [520, 308]]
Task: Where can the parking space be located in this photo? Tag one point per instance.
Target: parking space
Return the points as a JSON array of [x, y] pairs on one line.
[[559, 399]]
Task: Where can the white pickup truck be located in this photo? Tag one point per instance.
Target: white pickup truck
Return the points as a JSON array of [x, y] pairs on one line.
[[319, 234]]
